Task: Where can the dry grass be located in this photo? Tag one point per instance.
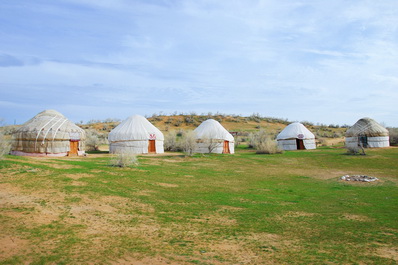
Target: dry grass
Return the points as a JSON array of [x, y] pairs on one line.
[[245, 209]]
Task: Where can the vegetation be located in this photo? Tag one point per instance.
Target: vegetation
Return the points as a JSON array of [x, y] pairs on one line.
[[290, 208], [263, 143], [188, 143], [94, 140], [4, 146], [124, 160]]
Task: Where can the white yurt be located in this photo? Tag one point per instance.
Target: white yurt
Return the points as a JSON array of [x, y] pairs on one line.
[[212, 137], [136, 135], [368, 133], [49, 133], [296, 137]]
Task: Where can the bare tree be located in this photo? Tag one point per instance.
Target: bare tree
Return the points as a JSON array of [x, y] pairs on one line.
[[188, 142], [5, 145], [94, 139], [170, 141]]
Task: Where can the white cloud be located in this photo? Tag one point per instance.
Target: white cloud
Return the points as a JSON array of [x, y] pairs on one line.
[[242, 56]]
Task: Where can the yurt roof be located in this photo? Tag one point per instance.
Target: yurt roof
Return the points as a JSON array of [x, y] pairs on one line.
[[212, 129], [295, 130], [50, 122], [134, 128], [368, 127]]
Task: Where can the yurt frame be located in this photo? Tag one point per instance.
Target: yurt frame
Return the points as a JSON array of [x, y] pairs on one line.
[[56, 137], [367, 133]]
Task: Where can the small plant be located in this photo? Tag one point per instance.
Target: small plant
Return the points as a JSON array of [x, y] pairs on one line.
[[124, 160], [94, 140], [263, 144], [355, 149], [188, 143], [170, 141], [4, 146]]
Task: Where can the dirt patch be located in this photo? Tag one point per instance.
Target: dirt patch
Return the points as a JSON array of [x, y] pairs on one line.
[[146, 261], [79, 176], [216, 219], [229, 209], [45, 161], [10, 246], [166, 185], [388, 252], [355, 217]]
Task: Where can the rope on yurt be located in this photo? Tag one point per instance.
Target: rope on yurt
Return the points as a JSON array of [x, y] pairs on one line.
[[44, 138], [38, 133], [58, 129], [362, 129]]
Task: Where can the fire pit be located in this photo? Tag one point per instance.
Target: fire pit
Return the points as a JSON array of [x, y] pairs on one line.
[[362, 178]]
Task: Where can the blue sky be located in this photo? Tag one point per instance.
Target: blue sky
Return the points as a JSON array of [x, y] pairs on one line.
[[330, 62]]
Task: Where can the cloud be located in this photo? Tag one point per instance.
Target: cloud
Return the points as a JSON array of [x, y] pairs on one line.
[[9, 61], [296, 59]]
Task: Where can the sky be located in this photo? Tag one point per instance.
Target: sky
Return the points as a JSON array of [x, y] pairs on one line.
[[329, 62]]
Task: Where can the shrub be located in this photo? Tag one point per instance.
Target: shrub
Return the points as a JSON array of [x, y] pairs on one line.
[[5, 146], [354, 149], [188, 142], [170, 141], [124, 160], [93, 140], [263, 144]]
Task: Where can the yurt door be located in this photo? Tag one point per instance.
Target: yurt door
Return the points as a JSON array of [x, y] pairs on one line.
[[151, 146], [364, 141], [74, 147], [226, 148], [300, 144]]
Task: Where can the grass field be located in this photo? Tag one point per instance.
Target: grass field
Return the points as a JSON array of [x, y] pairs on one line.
[[288, 208]]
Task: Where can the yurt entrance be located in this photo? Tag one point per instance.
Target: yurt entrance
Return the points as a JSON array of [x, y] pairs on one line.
[[300, 144], [151, 146], [74, 147], [363, 141], [226, 148]]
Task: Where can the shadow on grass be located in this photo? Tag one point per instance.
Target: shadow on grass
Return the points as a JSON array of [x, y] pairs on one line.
[[97, 152]]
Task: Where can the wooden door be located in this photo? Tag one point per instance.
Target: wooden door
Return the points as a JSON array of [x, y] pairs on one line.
[[300, 144], [226, 148], [74, 147], [151, 146]]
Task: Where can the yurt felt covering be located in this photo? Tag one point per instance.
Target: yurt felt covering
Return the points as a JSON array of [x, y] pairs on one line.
[[211, 132], [133, 136], [287, 137]]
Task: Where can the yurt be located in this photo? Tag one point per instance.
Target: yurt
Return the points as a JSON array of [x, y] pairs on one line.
[[296, 137], [212, 137], [49, 133], [136, 135], [368, 133]]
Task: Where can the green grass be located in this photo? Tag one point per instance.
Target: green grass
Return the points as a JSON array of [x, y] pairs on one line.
[[288, 208]]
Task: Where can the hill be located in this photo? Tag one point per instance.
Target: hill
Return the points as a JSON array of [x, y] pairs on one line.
[[242, 126]]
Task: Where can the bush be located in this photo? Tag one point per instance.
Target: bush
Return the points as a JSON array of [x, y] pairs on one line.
[[188, 143], [170, 141], [354, 149], [124, 160], [5, 146], [93, 140], [263, 144]]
